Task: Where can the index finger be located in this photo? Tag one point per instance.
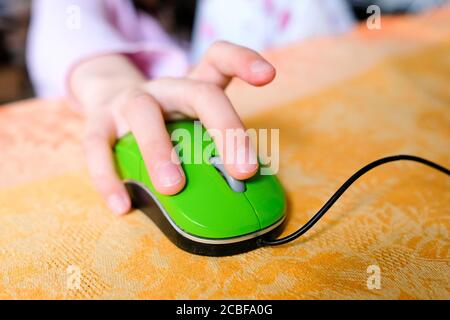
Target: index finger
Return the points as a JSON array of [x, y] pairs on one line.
[[217, 114], [225, 60]]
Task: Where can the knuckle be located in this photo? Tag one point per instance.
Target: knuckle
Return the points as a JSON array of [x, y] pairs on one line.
[[206, 90], [204, 95], [216, 47], [218, 44], [134, 102], [120, 108], [93, 140], [137, 101]]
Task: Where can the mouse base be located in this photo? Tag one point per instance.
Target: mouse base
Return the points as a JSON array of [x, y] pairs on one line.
[[142, 200]]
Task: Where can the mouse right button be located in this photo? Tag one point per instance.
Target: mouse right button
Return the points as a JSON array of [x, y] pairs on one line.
[[266, 195]]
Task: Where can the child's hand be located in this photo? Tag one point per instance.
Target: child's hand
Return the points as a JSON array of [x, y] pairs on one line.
[[117, 98]]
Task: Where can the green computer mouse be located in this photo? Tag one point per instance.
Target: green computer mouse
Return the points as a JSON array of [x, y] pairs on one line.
[[214, 214]]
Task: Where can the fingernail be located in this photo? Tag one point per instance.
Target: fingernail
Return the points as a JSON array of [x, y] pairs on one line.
[[168, 174], [246, 160], [246, 167], [118, 203], [260, 66]]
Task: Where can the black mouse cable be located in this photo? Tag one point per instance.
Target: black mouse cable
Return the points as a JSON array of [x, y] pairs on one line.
[[342, 189]]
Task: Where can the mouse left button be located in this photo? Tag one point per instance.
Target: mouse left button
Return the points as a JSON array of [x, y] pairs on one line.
[[127, 162]]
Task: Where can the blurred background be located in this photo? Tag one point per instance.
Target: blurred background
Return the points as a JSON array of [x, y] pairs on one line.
[[14, 18]]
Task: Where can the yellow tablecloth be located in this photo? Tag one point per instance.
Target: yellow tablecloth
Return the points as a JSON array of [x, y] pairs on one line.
[[339, 103]]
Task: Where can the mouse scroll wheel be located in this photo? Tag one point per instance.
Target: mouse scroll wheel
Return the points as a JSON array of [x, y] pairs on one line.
[[235, 185]]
